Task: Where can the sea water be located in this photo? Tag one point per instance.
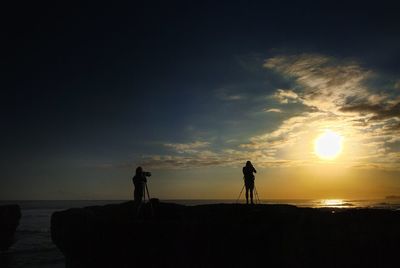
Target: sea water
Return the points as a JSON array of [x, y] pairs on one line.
[[34, 248]]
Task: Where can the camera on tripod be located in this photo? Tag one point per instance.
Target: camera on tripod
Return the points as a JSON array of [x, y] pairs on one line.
[[146, 173]]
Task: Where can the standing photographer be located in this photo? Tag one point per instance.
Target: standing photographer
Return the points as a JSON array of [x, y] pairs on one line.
[[139, 181], [249, 178]]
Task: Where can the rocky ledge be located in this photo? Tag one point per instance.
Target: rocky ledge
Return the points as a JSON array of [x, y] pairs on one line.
[[9, 220], [226, 235]]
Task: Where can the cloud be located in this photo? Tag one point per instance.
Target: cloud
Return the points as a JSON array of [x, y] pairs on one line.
[[333, 94], [233, 97], [286, 96], [397, 85], [323, 82], [226, 94], [225, 158], [378, 111], [285, 135], [338, 94], [273, 110], [187, 147]]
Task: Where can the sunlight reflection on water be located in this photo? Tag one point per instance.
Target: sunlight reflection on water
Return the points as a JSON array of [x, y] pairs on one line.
[[338, 203]]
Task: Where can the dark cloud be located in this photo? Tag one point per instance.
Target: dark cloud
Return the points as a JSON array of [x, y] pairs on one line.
[[379, 112]]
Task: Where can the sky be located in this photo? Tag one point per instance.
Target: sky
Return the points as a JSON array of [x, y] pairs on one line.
[[191, 90]]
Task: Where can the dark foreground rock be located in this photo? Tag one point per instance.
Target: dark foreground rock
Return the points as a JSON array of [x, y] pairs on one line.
[[9, 220], [226, 235]]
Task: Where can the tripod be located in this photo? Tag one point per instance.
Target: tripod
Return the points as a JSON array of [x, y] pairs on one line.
[[145, 191], [255, 193]]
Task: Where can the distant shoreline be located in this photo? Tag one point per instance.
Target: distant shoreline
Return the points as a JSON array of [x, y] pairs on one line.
[[389, 202]]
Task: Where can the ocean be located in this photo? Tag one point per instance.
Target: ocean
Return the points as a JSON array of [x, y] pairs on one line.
[[34, 248]]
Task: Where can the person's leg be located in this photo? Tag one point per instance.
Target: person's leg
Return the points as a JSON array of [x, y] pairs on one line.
[[247, 194], [251, 193], [135, 195], [138, 194], [143, 197]]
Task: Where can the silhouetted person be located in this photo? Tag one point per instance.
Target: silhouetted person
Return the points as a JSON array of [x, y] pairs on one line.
[[249, 178], [139, 181]]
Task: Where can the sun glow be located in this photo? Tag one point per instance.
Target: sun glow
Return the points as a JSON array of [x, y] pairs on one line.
[[332, 202], [328, 145]]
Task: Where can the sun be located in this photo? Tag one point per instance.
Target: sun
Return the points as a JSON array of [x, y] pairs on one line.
[[328, 145]]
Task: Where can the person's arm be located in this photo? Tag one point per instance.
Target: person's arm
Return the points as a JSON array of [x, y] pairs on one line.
[[255, 171]]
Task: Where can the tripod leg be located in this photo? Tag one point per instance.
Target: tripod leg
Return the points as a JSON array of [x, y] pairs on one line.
[[240, 194], [256, 193], [147, 190], [148, 196]]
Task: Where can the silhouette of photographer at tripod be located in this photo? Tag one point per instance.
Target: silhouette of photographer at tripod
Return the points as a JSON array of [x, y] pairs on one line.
[[249, 180], [139, 181]]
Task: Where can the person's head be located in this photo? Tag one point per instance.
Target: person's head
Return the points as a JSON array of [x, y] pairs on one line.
[[139, 170], [248, 164]]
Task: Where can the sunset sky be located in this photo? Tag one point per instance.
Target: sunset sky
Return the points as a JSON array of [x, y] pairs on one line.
[[191, 91]]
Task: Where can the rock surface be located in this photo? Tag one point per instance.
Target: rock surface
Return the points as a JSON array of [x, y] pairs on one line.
[[226, 235], [9, 220]]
